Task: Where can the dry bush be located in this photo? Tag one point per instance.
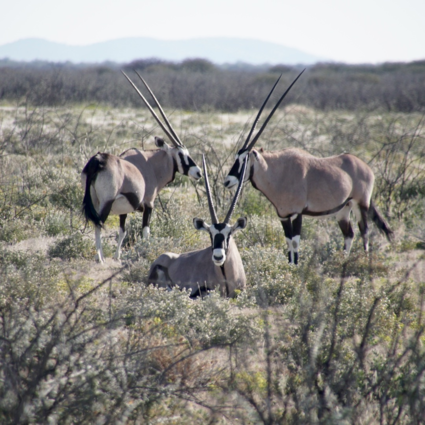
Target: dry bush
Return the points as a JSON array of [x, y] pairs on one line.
[[335, 340]]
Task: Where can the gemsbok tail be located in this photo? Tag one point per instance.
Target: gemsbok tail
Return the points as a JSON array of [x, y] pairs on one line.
[[380, 221], [93, 167]]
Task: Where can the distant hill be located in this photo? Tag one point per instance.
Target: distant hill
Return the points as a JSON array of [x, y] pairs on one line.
[[217, 50]]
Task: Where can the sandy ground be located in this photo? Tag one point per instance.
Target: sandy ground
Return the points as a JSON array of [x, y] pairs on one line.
[[91, 270]]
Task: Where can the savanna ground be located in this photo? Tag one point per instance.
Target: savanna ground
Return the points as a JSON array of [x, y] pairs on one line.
[[335, 340]]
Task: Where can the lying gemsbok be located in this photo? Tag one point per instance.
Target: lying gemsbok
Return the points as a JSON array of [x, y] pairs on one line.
[[198, 271], [120, 185], [298, 184]]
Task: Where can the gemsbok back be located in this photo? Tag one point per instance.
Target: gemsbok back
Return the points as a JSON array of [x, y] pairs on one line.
[[131, 182], [219, 265], [299, 184]]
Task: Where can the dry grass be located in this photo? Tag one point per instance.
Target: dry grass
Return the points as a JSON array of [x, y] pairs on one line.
[[335, 340]]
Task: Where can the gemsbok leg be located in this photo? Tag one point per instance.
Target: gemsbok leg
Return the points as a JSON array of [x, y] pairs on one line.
[[105, 209], [363, 227], [292, 228], [121, 236], [343, 218], [147, 213]]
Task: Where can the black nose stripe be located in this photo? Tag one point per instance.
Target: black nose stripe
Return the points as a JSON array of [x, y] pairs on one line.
[[218, 241], [234, 171]]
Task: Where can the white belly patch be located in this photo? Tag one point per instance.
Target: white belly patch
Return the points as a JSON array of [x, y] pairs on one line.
[[121, 206]]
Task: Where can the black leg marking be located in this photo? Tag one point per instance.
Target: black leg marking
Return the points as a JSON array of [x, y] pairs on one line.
[[296, 231], [201, 291], [364, 228], [105, 212], [159, 274], [347, 231], [146, 216], [122, 221], [297, 225], [133, 199], [346, 228], [287, 228]]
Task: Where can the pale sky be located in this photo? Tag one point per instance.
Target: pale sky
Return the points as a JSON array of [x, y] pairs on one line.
[[352, 31]]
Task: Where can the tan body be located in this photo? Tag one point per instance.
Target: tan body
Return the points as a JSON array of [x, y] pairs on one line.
[[299, 184], [112, 186], [118, 185], [156, 167], [296, 182], [197, 273]]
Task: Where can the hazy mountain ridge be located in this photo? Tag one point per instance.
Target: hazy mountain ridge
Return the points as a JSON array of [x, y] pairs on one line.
[[217, 50]]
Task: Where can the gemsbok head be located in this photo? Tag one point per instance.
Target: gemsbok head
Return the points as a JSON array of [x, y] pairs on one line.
[[159, 167], [219, 265], [299, 184]]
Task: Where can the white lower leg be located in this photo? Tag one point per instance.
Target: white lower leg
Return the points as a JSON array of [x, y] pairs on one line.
[[295, 247], [347, 245], [121, 237], [290, 250], [146, 232], [99, 245]]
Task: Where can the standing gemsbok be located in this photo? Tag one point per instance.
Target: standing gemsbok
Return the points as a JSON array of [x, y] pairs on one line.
[[112, 186], [131, 182], [159, 167], [299, 184], [199, 271]]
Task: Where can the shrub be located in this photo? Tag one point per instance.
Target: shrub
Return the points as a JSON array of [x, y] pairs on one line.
[[74, 246]]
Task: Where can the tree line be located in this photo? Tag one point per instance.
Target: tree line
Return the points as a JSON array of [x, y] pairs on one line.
[[197, 84]]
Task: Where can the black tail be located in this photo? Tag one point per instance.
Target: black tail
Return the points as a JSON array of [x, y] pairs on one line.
[[380, 221], [93, 167]]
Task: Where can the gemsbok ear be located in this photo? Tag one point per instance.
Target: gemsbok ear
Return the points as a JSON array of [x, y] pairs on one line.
[[240, 224], [161, 143], [200, 224]]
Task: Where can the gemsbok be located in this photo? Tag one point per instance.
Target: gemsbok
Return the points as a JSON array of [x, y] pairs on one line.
[[219, 265], [112, 186], [120, 185], [159, 167], [298, 183]]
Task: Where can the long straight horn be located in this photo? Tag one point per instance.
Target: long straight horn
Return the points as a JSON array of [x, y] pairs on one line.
[[259, 114], [257, 136], [170, 127], [207, 187], [238, 191], [170, 136]]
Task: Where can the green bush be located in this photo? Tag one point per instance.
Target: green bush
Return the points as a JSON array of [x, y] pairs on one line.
[[74, 246]]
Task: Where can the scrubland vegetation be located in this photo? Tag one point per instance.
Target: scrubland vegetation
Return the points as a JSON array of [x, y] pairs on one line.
[[335, 340]]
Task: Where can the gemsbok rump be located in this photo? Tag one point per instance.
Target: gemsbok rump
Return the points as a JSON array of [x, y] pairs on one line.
[[298, 183], [131, 182], [199, 271], [112, 186]]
